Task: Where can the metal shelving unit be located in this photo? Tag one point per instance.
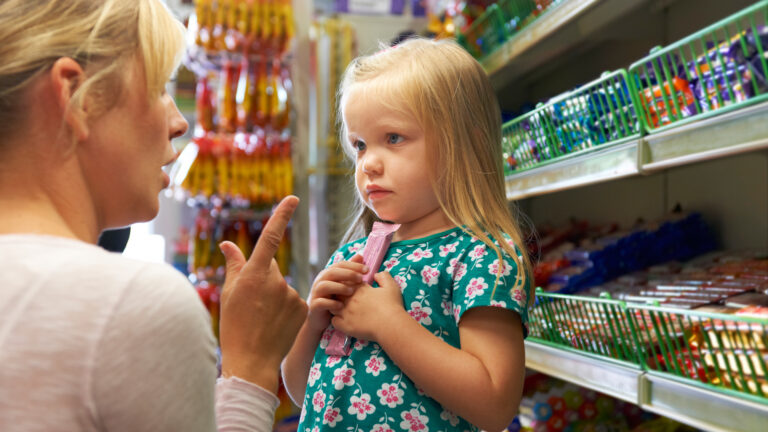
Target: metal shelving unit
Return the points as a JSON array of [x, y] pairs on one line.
[[732, 133]]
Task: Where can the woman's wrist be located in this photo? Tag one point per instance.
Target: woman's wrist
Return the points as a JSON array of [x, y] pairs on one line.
[[262, 372]]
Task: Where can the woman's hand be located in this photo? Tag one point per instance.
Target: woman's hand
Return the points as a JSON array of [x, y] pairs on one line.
[[370, 310], [260, 313], [331, 286]]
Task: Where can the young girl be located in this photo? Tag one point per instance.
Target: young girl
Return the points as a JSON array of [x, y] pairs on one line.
[[439, 344]]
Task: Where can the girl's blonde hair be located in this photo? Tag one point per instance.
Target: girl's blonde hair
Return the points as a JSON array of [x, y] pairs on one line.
[[101, 35], [448, 93]]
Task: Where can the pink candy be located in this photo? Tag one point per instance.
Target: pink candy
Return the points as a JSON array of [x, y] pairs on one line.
[[375, 249]]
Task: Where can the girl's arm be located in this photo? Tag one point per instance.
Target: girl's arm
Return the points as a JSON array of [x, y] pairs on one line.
[[335, 282], [481, 382]]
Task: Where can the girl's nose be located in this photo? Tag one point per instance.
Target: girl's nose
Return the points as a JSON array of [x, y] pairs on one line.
[[371, 164]]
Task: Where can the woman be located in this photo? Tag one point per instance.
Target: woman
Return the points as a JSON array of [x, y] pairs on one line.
[[90, 340]]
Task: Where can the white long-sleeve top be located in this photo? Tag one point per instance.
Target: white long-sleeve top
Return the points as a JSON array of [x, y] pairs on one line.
[[93, 341]]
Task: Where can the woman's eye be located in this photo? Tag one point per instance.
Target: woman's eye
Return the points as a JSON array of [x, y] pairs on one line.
[[358, 145], [394, 139]]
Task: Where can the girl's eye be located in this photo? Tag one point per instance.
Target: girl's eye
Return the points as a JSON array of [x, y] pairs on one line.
[[394, 138], [358, 145]]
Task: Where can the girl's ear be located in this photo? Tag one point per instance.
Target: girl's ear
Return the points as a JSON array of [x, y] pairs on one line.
[[66, 77]]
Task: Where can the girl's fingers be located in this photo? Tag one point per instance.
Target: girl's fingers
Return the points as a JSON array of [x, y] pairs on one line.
[[341, 275], [326, 304], [327, 289]]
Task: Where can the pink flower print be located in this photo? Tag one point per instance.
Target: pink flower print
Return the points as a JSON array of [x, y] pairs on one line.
[[331, 416], [500, 304], [497, 270], [447, 306], [360, 344], [381, 428], [338, 257], [429, 275], [315, 429], [314, 374], [452, 418], [456, 312], [446, 249], [356, 247], [375, 365], [476, 287], [413, 421], [318, 400], [332, 361], [456, 269], [519, 295], [478, 252], [326, 337], [343, 376], [390, 395], [420, 313], [418, 254], [401, 282], [388, 264], [303, 413], [361, 406]]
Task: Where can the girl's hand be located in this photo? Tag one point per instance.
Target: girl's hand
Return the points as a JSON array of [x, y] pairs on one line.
[[370, 310], [330, 287]]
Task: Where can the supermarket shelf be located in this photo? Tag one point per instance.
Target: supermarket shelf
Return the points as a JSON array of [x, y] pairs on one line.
[[559, 29], [738, 131], [690, 404], [610, 163], [699, 407], [611, 378]]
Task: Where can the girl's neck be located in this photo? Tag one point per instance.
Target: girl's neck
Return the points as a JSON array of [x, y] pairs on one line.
[[433, 223]]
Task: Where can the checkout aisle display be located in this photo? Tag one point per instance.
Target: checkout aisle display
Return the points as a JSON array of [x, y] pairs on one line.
[[240, 51]]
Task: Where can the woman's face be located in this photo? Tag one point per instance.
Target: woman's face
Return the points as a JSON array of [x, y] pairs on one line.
[[125, 150]]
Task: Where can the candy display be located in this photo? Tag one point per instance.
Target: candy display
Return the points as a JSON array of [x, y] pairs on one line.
[[552, 405], [594, 114], [705, 72]]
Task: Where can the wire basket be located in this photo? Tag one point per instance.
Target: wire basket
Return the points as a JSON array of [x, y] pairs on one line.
[[715, 70]]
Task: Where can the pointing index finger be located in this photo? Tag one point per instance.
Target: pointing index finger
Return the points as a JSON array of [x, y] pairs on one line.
[[273, 231]]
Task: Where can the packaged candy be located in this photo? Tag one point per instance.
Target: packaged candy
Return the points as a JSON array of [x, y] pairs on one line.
[[375, 249]]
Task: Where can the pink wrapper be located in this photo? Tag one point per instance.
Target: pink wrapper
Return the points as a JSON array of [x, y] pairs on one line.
[[375, 249]]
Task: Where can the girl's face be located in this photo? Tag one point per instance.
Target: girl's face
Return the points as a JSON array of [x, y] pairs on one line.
[[125, 151], [392, 166]]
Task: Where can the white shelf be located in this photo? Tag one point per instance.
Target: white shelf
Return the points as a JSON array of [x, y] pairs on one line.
[[622, 382], [684, 402], [558, 30], [739, 131]]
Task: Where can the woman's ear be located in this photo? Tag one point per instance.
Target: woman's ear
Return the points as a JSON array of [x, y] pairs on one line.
[[66, 77]]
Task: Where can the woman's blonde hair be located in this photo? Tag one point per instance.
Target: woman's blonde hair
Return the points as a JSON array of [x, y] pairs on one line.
[[448, 93], [101, 35]]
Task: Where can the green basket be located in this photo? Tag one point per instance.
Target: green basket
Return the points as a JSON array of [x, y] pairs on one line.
[[725, 353], [718, 69], [517, 14], [486, 33], [598, 326], [718, 351], [596, 114]]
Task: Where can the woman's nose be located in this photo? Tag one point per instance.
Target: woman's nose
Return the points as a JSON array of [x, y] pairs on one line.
[[177, 124]]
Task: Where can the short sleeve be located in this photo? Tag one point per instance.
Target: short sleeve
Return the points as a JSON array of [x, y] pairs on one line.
[[475, 282], [346, 252]]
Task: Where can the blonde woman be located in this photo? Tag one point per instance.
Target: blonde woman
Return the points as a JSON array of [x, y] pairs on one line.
[[89, 340], [439, 344]]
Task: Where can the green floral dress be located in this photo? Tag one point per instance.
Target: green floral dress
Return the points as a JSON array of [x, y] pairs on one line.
[[441, 277]]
